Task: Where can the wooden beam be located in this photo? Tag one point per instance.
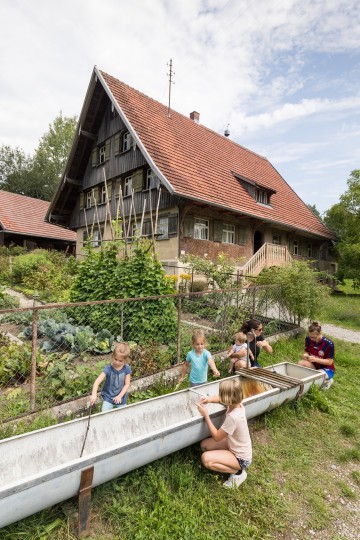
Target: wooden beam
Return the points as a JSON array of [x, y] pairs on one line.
[[87, 134], [73, 181]]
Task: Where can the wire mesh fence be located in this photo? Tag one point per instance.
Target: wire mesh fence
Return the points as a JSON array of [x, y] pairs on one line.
[[53, 353]]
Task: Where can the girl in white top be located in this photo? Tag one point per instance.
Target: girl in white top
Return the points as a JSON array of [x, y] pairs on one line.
[[229, 448]]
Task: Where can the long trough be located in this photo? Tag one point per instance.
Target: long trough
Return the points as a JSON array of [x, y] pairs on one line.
[[44, 467]]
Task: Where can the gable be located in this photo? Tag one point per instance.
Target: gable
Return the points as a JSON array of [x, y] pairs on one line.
[[191, 160]]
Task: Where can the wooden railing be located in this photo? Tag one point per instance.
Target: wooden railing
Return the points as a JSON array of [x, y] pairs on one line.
[[267, 255]]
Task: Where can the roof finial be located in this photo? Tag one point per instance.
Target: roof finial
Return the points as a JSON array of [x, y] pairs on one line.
[[170, 74], [227, 132]]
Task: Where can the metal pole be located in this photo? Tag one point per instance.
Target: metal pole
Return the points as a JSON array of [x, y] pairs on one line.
[[33, 359], [178, 352]]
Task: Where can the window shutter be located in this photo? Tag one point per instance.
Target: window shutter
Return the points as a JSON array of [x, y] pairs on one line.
[[137, 181], [81, 200], [107, 149], [173, 225], [117, 141], [94, 157], [189, 226], [242, 235], [218, 228]]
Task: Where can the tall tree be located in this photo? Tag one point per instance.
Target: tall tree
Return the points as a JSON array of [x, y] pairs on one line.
[[51, 155], [15, 167], [38, 175], [344, 219], [314, 210]]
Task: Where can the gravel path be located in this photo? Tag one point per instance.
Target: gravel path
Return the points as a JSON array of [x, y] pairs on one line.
[[341, 333]]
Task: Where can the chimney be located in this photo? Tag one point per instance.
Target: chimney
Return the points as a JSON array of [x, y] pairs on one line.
[[195, 116]]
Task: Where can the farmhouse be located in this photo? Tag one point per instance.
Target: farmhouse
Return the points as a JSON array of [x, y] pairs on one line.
[[189, 188], [22, 223]]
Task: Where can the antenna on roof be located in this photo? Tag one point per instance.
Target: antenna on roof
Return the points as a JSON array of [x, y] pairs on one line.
[[170, 74], [227, 132]]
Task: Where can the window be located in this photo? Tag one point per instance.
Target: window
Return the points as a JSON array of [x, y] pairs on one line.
[[127, 186], [163, 228], [262, 196], [295, 247], [102, 154], [103, 195], [276, 239], [151, 180], [126, 142], [201, 229], [228, 234], [309, 250], [89, 198], [96, 237]]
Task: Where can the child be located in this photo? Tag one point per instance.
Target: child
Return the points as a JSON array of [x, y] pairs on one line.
[[117, 379], [200, 359], [239, 345], [319, 354], [229, 448]]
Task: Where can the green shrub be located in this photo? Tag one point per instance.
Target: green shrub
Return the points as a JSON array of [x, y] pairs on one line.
[[7, 301], [198, 286], [15, 361]]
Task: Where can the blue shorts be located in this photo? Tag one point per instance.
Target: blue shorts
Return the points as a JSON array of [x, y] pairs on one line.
[[192, 384], [244, 463], [329, 372]]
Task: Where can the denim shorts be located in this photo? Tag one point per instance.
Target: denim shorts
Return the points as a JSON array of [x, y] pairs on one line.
[[244, 463]]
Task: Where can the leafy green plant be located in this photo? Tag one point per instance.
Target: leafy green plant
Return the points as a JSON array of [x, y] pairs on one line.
[[219, 273], [7, 301], [302, 294], [15, 361]]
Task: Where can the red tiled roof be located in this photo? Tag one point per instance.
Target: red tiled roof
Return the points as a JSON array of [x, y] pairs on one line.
[[25, 215], [199, 163]]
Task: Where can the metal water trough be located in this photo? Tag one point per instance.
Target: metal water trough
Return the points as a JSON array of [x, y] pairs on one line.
[[44, 467]]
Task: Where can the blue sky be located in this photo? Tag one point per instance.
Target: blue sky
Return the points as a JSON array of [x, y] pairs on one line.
[[284, 74]]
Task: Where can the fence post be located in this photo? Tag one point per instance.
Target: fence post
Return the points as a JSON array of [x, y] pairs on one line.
[[178, 352], [254, 303], [33, 359]]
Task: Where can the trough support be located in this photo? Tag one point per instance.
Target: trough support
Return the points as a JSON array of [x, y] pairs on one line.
[[85, 502]]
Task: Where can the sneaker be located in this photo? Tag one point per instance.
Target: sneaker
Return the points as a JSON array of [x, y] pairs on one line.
[[326, 384], [235, 480]]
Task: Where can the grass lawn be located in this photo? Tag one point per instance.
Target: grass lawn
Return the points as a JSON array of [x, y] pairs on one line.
[[304, 481], [342, 310]]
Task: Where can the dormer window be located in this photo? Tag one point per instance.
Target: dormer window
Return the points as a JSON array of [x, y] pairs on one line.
[[257, 191], [262, 196]]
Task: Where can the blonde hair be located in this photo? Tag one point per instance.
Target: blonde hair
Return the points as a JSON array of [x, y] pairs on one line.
[[121, 351], [230, 392], [198, 334], [240, 336]]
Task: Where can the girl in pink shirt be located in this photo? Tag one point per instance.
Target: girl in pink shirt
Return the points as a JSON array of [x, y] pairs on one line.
[[229, 448]]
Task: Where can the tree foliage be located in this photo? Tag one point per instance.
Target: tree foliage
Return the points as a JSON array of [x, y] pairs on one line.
[[38, 175], [343, 219], [314, 210], [218, 273], [104, 275], [302, 294]]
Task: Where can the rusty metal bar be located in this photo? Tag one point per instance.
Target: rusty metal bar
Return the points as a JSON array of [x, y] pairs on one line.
[[178, 345], [85, 502], [33, 359]]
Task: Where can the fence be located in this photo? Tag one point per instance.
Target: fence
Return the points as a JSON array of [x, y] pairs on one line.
[[67, 345]]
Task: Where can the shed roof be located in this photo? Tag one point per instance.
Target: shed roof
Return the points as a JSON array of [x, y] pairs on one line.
[[24, 215]]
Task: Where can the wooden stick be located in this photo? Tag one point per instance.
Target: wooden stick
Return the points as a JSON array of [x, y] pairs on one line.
[[108, 210], [152, 224], [142, 217], [157, 209]]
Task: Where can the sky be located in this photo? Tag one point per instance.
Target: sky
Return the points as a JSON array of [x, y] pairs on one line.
[[282, 75]]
